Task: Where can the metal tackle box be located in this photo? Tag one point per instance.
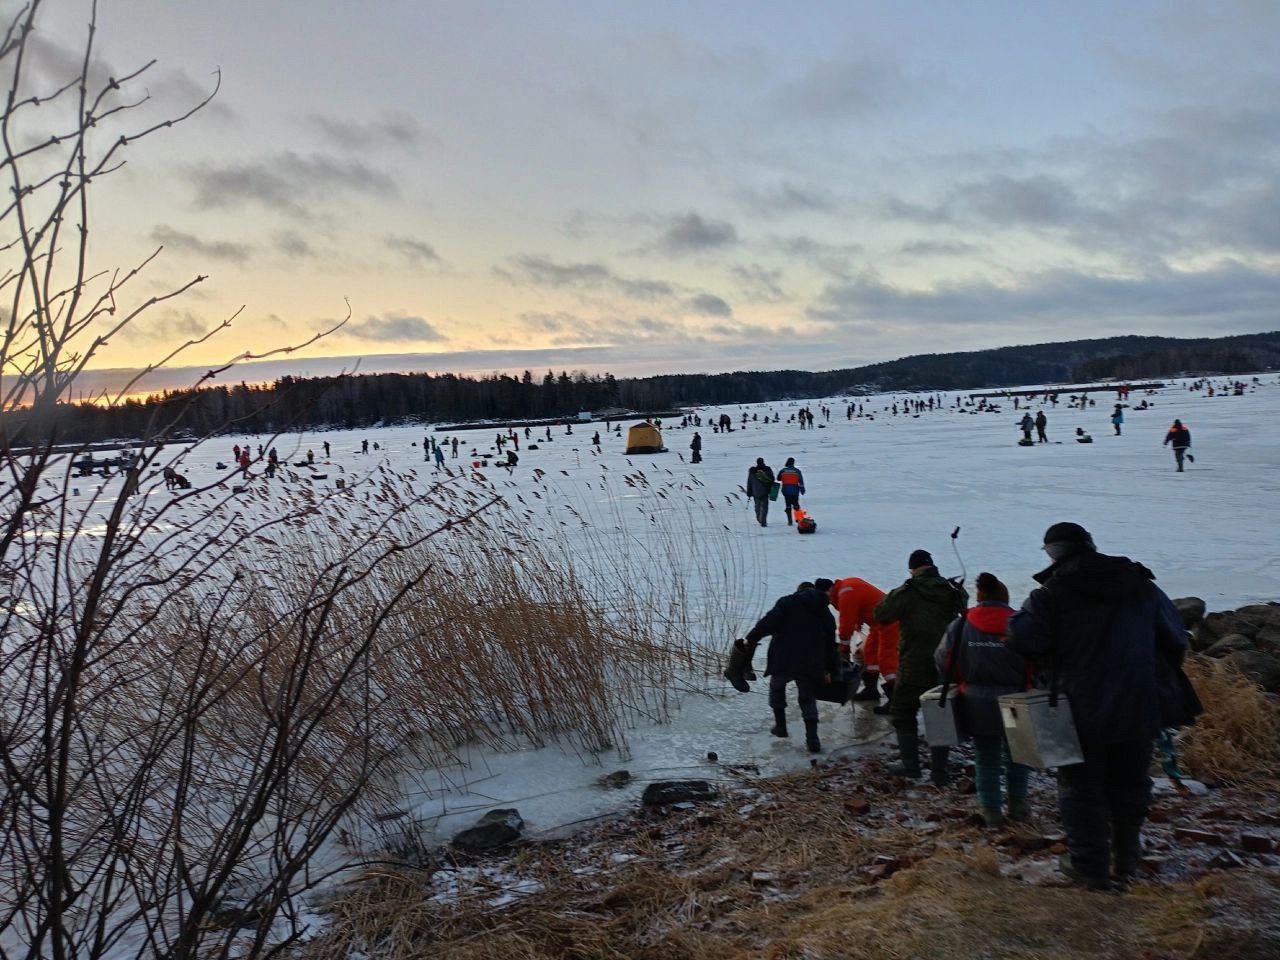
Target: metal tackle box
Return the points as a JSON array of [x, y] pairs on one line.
[[1039, 733]]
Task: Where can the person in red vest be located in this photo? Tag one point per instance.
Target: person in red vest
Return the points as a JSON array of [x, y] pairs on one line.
[[792, 482], [854, 600]]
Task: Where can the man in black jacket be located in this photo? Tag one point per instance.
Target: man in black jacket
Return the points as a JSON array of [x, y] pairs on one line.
[[1108, 632], [802, 651], [1180, 437], [759, 486]]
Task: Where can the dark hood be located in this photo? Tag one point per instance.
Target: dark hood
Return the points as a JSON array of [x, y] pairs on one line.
[[1096, 576], [929, 583], [813, 599]]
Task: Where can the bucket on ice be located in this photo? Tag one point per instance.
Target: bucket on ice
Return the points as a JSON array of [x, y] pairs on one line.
[[939, 711], [1040, 729]]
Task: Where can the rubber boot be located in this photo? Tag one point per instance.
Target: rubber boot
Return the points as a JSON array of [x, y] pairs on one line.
[[939, 775], [779, 728], [992, 817], [1126, 850], [885, 708], [909, 752], [811, 736], [870, 685], [1019, 810]]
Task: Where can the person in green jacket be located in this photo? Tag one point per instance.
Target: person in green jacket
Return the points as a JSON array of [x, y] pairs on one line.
[[923, 608]]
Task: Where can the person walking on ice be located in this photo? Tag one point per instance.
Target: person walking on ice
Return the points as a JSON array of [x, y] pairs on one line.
[[759, 487], [696, 446], [1117, 418], [1180, 437], [802, 650], [1041, 422], [792, 481], [439, 455]]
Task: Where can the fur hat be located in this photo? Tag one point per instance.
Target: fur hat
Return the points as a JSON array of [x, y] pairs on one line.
[[990, 588]]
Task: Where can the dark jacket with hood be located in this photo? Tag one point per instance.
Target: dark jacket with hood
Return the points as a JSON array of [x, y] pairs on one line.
[[975, 659], [1111, 635], [1179, 436], [804, 636], [922, 607]]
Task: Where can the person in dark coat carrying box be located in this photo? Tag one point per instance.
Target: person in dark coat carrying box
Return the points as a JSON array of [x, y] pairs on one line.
[[974, 656], [1114, 640], [802, 651]]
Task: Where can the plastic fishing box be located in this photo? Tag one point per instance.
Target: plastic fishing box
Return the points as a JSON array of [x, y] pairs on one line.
[[1039, 733], [940, 727]]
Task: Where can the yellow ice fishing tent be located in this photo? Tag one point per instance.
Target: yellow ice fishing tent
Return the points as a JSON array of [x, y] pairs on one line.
[[645, 438]]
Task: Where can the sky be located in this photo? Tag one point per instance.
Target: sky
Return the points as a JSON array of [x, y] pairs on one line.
[[683, 186]]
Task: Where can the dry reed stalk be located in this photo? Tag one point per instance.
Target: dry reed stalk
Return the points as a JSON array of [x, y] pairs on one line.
[[1237, 738]]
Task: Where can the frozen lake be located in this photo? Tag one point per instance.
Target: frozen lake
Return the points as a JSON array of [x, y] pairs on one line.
[[879, 486]]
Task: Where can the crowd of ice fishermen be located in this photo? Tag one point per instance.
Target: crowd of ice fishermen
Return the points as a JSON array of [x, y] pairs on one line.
[[1097, 630]]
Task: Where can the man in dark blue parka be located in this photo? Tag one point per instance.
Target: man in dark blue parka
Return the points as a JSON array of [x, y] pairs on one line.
[[1104, 627]]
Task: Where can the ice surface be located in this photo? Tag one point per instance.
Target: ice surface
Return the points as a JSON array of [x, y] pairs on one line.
[[878, 489]]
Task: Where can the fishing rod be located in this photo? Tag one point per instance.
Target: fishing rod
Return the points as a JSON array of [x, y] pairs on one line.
[[955, 536]]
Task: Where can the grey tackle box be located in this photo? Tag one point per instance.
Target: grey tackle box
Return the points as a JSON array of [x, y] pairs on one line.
[[1039, 734], [940, 729]]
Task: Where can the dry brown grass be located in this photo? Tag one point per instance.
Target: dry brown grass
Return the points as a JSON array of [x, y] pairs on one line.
[[696, 892], [1237, 739]]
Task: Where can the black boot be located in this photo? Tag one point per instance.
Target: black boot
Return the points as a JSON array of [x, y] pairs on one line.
[[779, 728], [939, 775], [1126, 850], [811, 736], [869, 691], [886, 708], [909, 751]]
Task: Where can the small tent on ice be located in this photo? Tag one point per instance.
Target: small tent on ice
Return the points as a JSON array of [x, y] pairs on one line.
[[645, 438]]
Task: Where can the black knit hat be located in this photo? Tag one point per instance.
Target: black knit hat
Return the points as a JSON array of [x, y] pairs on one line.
[[1063, 539], [919, 558], [823, 584]]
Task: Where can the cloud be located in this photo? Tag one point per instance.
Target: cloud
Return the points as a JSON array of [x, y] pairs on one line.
[[394, 328], [287, 182], [1229, 295], [166, 328], [786, 198], [417, 253], [391, 129], [849, 88], [835, 259], [760, 284], [293, 244], [182, 242], [693, 233], [543, 271], [708, 305], [938, 248], [569, 329]]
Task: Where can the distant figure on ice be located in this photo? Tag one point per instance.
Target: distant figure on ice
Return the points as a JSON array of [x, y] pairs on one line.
[[1082, 437], [1026, 425], [326, 449], [439, 454], [1117, 418], [311, 457], [1041, 422], [1180, 437], [792, 481], [802, 651], [595, 440], [759, 487], [696, 446], [454, 445], [364, 446]]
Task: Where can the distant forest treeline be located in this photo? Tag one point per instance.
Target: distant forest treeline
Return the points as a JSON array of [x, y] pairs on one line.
[[292, 403]]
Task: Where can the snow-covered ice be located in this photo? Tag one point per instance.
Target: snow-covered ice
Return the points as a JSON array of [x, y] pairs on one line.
[[879, 488]]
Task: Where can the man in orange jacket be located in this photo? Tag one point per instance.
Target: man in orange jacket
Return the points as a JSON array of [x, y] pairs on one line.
[[855, 599]]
